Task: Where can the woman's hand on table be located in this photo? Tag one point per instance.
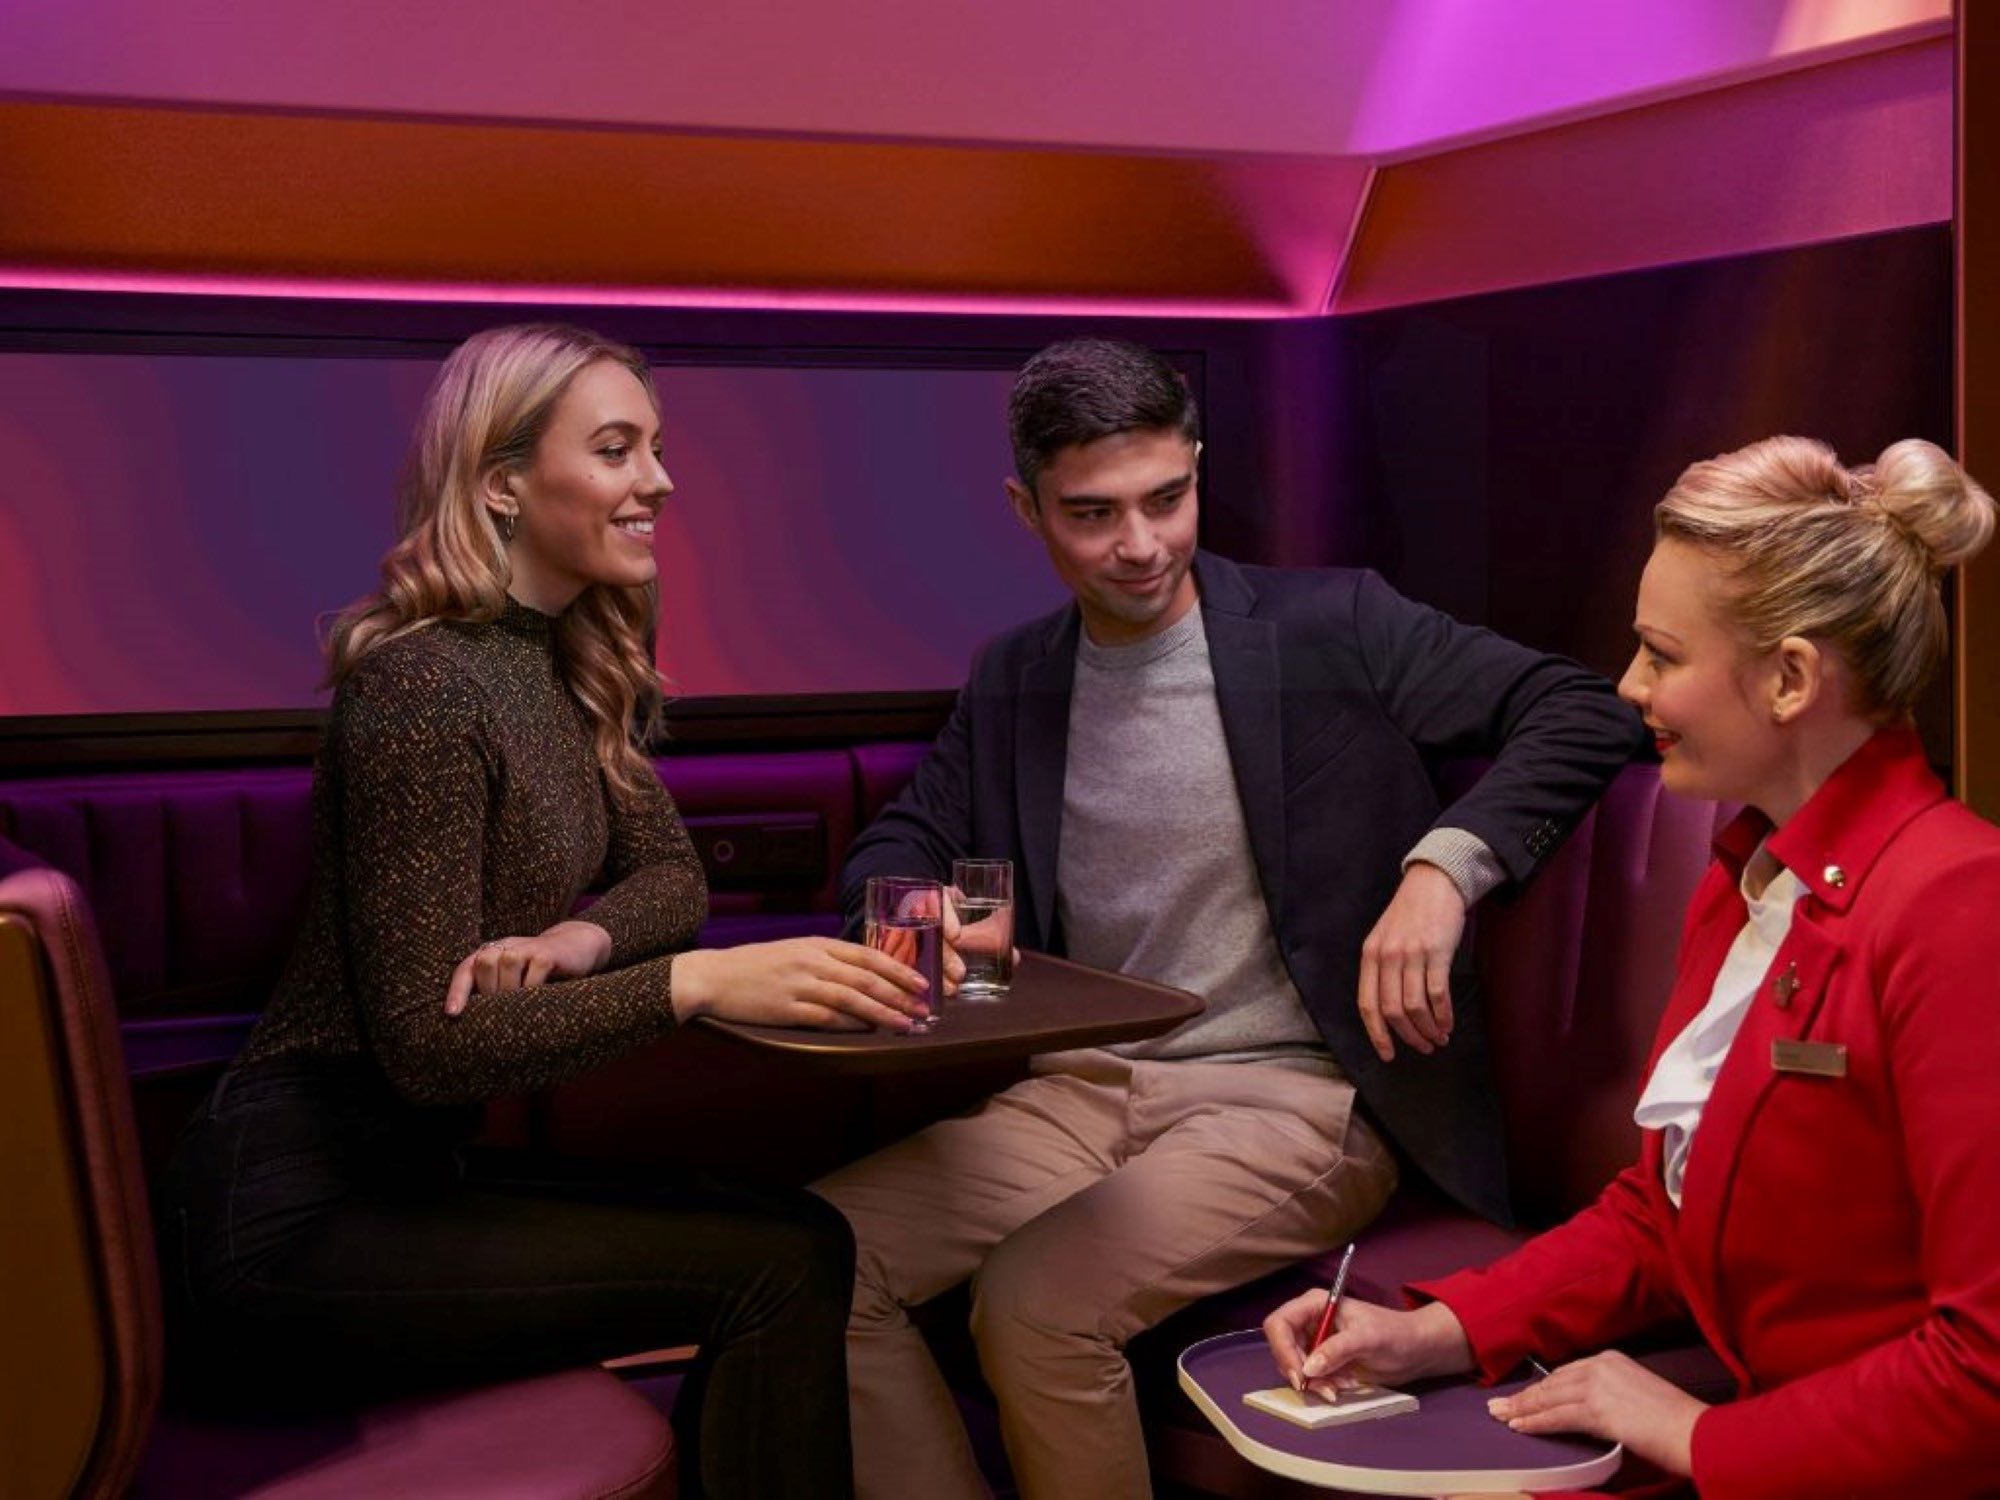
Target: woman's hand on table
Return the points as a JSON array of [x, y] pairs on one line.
[[1369, 1344], [568, 950], [811, 981], [1613, 1397]]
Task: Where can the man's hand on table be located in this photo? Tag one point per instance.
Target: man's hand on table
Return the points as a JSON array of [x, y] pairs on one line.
[[1405, 984], [953, 932]]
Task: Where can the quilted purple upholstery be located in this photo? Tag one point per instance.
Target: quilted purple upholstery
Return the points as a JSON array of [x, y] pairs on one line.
[[198, 878], [884, 770], [1576, 974]]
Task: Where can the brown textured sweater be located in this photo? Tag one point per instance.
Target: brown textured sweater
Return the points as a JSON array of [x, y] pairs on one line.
[[457, 799]]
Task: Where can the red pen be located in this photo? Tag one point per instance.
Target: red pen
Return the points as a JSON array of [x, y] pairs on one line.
[[1332, 1300]]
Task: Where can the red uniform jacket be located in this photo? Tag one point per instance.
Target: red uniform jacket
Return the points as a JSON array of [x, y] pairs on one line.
[[1838, 1240]]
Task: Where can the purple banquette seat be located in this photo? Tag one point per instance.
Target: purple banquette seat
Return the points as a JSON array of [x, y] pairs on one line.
[[200, 878], [81, 1297], [1576, 973]]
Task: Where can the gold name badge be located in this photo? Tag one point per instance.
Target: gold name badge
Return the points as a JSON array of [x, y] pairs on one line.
[[1818, 1059]]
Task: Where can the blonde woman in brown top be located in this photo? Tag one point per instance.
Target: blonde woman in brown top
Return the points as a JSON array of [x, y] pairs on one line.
[[480, 771]]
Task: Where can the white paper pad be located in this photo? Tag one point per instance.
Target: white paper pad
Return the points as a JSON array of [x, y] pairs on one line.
[[1362, 1404]]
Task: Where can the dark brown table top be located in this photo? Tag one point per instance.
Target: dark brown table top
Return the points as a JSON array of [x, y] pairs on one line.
[[1054, 1004]]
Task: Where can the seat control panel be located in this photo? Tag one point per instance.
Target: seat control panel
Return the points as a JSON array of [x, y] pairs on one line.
[[748, 851]]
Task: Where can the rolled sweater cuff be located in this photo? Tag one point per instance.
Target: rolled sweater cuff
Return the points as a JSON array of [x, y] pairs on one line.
[[1473, 867]]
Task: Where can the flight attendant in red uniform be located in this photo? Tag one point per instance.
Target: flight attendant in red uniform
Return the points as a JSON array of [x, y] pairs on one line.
[[1819, 1182]]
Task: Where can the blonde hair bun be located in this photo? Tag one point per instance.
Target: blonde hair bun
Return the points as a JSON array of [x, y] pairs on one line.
[[1928, 497], [1852, 556]]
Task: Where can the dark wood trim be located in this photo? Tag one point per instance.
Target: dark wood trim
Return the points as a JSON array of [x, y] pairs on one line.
[[57, 744], [799, 719], [34, 320], [1976, 667], [51, 744]]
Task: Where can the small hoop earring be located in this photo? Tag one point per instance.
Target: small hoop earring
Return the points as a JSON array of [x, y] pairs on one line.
[[506, 522]]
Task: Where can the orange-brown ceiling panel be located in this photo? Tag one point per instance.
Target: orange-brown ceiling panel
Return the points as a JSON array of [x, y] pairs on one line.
[[348, 198], [1852, 147]]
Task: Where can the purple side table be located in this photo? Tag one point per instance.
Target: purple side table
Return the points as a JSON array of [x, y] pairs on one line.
[[1449, 1445]]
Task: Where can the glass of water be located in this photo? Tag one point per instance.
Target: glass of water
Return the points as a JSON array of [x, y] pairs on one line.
[[985, 901], [904, 918]]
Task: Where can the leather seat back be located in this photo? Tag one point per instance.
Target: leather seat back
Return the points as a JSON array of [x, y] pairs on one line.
[[79, 1296], [1575, 973]]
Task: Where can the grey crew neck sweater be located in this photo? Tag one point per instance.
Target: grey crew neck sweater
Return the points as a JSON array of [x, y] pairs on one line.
[[1154, 875]]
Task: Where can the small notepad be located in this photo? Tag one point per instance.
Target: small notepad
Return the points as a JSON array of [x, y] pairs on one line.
[[1362, 1404]]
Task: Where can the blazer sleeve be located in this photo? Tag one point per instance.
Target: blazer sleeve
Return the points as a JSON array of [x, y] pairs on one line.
[[414, 807], [1919, 1415], [1605, 1275], [928, 824], [1556, 733]]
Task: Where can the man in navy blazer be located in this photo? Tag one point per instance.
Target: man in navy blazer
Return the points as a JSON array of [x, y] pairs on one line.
[[1214, 776]]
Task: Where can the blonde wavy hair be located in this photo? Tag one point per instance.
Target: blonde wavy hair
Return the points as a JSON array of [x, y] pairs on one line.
[[1853, 557], [488, 409]]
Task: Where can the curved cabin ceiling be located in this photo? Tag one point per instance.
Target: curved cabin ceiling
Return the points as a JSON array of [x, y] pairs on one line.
[[1284, 158]]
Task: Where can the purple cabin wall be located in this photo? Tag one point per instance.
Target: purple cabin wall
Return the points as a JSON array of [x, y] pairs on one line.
[[1496, 456], [1503, 453]]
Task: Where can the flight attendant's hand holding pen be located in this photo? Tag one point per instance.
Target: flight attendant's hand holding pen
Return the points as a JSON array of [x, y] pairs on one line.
[[1332, 1299], [1327, 1342]]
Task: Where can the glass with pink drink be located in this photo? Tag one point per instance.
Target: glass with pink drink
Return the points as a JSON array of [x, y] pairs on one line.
[[904, 918]]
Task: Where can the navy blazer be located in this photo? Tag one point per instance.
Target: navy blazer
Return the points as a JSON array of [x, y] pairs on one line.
[[1337, 695]]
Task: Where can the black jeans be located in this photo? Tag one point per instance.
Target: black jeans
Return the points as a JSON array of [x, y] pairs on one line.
[[323, 1245]]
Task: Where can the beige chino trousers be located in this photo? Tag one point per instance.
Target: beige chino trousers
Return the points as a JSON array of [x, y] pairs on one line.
[[1086, 1203]]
